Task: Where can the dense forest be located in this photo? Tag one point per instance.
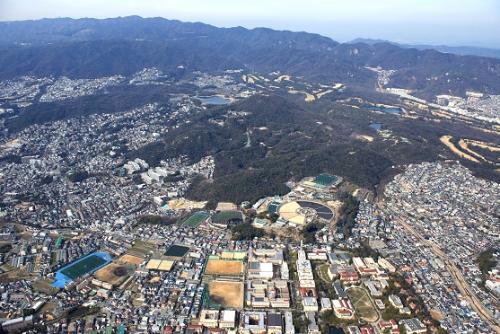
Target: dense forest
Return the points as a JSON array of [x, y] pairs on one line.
[[487, 261], [347, 215], [292, 140], [245, 231]]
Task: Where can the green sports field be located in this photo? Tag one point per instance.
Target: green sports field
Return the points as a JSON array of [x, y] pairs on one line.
[[196, 219], [224, 217], [84, 266]]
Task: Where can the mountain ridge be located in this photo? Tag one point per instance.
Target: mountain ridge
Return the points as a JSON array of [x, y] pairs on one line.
[[461, 50], [92, 47]]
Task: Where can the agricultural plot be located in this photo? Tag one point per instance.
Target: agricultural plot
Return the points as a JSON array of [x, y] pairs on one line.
[[362, 304], [44, 286]]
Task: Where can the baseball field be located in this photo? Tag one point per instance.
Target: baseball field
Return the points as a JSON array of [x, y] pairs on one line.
[[114, 273]]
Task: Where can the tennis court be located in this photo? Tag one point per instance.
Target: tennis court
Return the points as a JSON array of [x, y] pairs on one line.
[[176, 251]]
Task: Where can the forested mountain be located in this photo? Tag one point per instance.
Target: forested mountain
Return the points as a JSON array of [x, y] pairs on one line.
[[90, 48]]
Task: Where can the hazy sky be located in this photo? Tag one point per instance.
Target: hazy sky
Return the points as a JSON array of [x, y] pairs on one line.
[[451, 22]]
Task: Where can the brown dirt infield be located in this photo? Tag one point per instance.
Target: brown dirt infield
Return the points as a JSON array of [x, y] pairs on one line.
[[227, 294], [224, 268], [113, 273]]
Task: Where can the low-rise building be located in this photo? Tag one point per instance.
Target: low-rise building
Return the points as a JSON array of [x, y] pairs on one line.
[[227, 319], [326, 304], [343, 308], [253, 323], [310, 304], [209, 318], [396, 301], [413, 326], [274, 323], [289, 327]]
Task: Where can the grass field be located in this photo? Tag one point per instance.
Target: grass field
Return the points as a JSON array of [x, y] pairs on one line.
[[84, 266], [226, 294], [195, 219], [224, 268], [224, 217], [141, 248], [12, 274], [44, 286], [362, 304]]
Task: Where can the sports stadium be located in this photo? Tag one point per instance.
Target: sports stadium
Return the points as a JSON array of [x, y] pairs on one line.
[[83, 266], [302, 212]]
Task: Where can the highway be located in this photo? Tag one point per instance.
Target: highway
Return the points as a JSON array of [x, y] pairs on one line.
[[458, 278]]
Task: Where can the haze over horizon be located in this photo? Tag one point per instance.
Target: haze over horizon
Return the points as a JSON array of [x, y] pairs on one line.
[[444, 22]]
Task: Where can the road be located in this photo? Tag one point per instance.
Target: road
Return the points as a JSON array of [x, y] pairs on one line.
[[458, 278]]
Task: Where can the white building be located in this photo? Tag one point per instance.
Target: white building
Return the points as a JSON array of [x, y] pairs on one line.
[[227, 319], [310, 304]]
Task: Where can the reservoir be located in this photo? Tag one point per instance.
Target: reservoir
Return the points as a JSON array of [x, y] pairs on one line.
[[217, 100], [376, 126], [387, 110]]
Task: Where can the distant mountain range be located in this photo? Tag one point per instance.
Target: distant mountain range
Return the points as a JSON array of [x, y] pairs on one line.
[[92, 48], [458, 50]]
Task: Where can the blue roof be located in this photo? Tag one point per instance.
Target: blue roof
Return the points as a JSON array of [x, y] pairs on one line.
[[121, 329], [62, 280], [273, 207]]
